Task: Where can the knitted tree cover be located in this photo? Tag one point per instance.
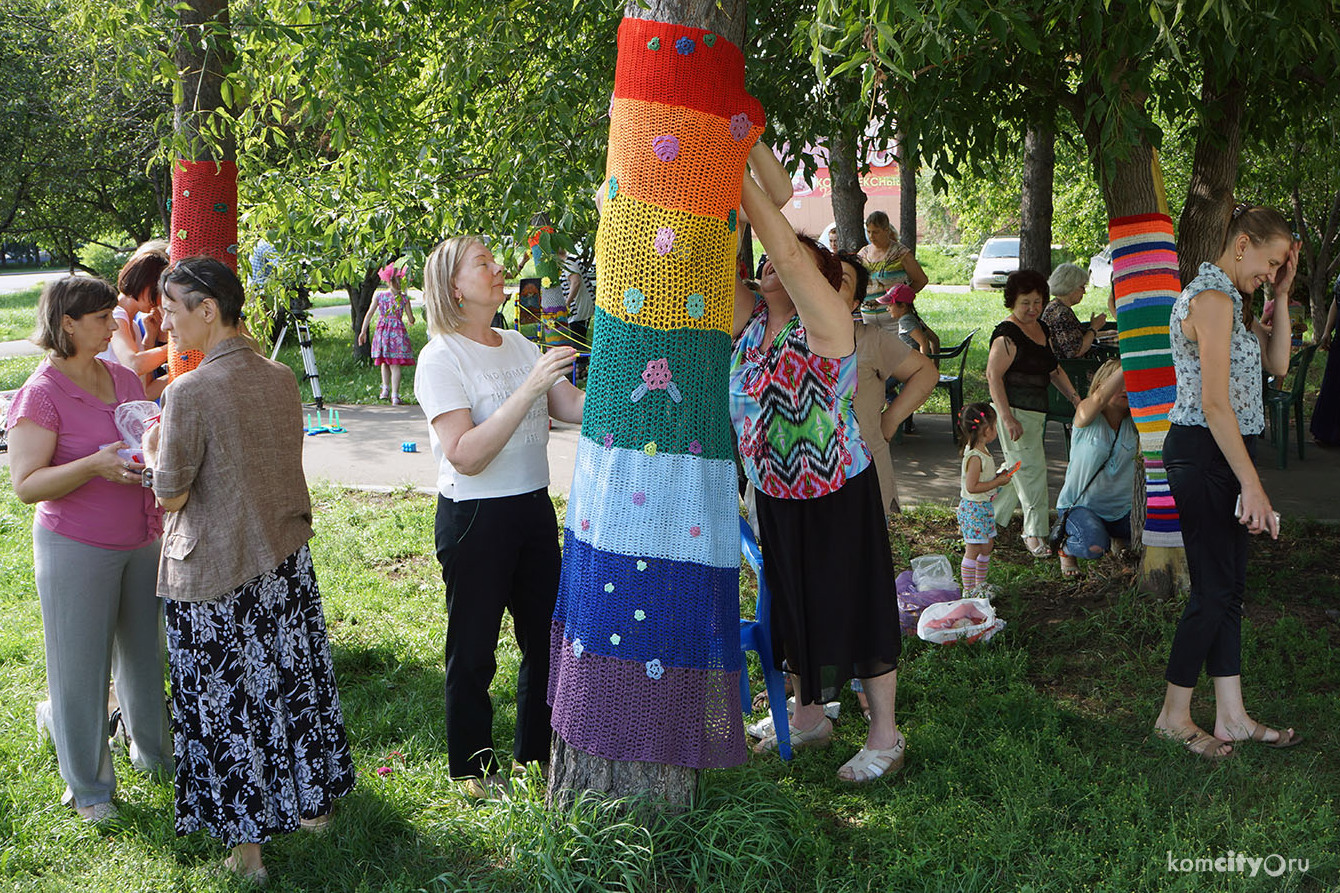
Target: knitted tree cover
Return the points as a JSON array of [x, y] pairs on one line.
[[1146, 284], [204, 221], [646, 640]]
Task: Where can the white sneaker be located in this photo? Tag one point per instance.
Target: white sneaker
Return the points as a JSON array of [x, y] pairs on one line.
[[45, 724]]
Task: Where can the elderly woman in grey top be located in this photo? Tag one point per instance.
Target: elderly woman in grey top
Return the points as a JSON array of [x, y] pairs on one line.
[[1070, 337], [258, 733], [1215, 418]]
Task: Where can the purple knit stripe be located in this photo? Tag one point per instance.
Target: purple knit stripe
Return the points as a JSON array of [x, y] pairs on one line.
[[621, 710]]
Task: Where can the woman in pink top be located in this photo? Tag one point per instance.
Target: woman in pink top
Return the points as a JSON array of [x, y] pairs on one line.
[[95, 545]]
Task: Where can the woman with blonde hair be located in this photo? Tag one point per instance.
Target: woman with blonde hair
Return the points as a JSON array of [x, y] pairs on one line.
[[488, 395], [890, 263], [1099, 488], [1218, 355]]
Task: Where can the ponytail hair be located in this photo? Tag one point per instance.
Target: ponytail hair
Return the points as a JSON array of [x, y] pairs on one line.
[[1258, 223], [973, 418]]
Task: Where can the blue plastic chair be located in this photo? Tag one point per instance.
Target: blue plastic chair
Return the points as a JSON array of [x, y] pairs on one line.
[[756, 636]]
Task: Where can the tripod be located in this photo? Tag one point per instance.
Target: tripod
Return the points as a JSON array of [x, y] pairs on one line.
[[299, 322]]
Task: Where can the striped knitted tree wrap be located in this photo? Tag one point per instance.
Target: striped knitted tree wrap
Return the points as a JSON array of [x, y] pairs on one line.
[[204, 221], [646, 640], [1145, 282]]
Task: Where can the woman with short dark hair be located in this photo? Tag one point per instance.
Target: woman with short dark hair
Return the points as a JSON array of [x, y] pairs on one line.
[[258, 732], [95, 544], [1019, 367]]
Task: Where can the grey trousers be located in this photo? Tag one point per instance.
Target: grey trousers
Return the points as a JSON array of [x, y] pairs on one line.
[[101, 615]]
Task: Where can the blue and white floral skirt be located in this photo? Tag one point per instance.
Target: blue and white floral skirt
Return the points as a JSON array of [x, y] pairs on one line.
[[258, 734]]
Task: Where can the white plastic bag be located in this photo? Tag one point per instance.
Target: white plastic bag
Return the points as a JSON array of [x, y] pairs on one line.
[[965, 620], [932, 572]]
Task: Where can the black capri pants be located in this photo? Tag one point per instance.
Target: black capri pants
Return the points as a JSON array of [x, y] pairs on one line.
[[1206, 492]]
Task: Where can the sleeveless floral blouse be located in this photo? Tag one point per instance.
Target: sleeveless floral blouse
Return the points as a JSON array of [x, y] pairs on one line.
[[1244, 357]]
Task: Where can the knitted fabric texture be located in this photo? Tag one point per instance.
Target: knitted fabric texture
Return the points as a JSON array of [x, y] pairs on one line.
[[204, 221], [1145, 283], [646, 658]]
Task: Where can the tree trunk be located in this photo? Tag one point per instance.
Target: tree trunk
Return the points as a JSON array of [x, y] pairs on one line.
[[848, 197], [908, 163], [583, 688], [1035, 201], [203, 55], [1214, 175], [652, 788], [360, 299]]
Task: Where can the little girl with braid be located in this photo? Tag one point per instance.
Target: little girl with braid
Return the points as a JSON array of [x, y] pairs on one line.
[[976, 518]]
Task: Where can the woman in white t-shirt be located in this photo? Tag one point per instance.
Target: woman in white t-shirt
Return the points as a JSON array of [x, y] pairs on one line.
[[488, 394]]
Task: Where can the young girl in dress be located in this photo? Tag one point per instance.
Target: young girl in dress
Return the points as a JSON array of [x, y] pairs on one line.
[[976, 518], [390, 340]]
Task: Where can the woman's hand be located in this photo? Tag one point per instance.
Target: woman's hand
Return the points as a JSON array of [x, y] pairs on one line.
[[1097, 321], [1256, 514], [1283, 283], [362, 337], [1013, 426], [554, 364], [106, 464], [1325, 342]]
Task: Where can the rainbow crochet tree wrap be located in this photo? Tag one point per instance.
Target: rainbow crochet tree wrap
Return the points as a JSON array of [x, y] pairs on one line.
[[204, 221], [646, 640], [1145, 284]]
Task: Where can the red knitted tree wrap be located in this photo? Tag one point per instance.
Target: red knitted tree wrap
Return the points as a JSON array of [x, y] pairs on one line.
[[204, 221], [204, 210]]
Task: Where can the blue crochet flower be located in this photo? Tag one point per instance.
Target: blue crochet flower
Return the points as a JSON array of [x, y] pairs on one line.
[[684, 46], [632, 301], [614, 187], [695, 305], [654, 669]]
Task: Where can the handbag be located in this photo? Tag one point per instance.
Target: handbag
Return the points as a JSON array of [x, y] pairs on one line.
[[1056, 536]]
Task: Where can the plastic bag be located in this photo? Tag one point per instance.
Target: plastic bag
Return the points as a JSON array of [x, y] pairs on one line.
[[912, 601], [965, 620], [932, 572], [132, 420]]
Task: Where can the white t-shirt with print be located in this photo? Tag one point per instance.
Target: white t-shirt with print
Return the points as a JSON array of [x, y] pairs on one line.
[[454, 372]]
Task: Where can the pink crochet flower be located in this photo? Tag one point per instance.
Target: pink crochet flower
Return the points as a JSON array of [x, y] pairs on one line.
[[665, 240], [740, 125], [666, 147], [656, 377]]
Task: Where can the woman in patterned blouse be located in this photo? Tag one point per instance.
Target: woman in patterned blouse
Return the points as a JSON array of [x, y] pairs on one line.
[[1070, 337], [1208, 456], [822, 528]]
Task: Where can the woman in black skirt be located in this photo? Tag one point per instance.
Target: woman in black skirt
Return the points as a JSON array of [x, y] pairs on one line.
[[258, 731], [1326, 412], [821, 524]]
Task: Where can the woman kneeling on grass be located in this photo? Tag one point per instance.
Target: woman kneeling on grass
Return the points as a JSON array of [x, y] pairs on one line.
[[259, 734], [488, 394], [1208, 455], [822, 528], [1099, 488]]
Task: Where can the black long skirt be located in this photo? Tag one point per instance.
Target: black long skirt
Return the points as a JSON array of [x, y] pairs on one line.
[[257, 729], [834, 602]]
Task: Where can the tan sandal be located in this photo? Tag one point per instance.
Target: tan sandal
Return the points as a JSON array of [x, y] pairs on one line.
[[869, 765], [1200, 743]]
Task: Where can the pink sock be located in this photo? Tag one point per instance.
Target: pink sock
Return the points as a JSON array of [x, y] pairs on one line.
[[983, 562], [968, 567]]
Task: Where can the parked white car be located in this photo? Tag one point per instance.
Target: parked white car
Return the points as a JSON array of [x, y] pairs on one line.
[[998, 259], [1100, 269]]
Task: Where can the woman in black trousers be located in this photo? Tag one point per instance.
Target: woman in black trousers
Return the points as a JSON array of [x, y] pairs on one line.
[[1208, 456]]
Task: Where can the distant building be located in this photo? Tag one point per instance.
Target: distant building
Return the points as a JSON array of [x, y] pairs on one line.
[[811, 208]]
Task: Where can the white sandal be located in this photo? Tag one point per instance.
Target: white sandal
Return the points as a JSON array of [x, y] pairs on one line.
[[819, 736], [869, 765]]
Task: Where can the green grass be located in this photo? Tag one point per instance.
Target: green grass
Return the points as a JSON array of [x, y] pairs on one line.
[[18, 312], [1029, 765]]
